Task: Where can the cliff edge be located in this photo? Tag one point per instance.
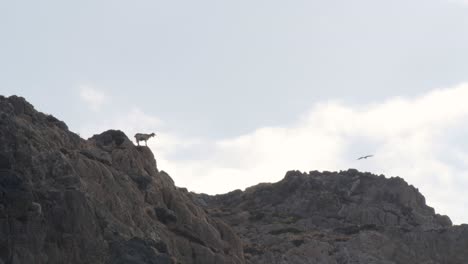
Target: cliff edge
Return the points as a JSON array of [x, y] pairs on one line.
[[68, 200]]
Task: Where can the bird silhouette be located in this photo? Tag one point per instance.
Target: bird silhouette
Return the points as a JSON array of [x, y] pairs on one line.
[[365, 157]]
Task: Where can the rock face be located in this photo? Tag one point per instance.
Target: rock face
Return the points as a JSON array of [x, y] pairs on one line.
[[67, 200], [345, 217], [103, 200]]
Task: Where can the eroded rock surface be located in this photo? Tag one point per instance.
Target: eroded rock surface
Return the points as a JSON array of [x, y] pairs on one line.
[[345, 217], [68, 200]]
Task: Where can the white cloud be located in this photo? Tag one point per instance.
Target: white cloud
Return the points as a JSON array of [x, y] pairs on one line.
[[463, 2], [94, 98], [410, 137]]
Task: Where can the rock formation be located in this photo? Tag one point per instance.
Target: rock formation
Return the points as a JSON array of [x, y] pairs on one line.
[[64, 199], [338, 217], [67, 200]]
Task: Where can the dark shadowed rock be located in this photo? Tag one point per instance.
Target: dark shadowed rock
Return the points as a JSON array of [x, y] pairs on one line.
[[5, 162], [139, 251], [165, 215], [109, 137]]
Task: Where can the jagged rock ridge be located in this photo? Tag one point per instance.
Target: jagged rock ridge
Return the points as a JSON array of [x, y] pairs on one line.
[[338, 217], [103, 200]]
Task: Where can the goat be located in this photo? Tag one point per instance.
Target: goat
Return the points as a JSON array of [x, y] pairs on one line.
[[143, 137]]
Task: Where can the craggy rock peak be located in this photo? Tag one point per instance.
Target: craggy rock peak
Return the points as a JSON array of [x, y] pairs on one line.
[[103, 200], [345, 217], [67, 200]]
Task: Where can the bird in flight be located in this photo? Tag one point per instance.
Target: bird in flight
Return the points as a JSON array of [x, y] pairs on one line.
[[365, 157]]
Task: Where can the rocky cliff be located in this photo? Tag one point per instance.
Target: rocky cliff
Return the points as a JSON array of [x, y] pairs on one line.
[[68, 200], [338, 217], [64, 199]]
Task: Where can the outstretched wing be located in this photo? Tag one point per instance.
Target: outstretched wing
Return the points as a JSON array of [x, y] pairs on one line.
[[365, 157]]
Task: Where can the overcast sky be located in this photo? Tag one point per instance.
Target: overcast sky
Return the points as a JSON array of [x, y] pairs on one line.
[[239, 92]]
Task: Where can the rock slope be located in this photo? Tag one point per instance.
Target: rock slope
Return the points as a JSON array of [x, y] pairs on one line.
[[67, 200], [64, 199], [345, 217]]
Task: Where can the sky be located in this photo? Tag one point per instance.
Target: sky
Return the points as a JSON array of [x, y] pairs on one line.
[[239, 92]]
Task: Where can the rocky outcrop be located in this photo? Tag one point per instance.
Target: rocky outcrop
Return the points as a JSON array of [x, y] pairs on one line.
[[339, 217], [64, 199], [68, 200]]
